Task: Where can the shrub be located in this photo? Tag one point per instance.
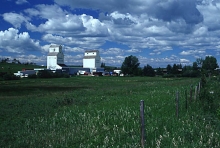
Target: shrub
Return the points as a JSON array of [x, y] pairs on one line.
[[191, 73], [10, 76], [33, 76], [50, 74], [45, 74]]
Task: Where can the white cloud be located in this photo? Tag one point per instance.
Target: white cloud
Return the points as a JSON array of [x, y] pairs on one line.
[[83, 42], [192, 52], [201, 31], [74, 49], [166, 10], [13, 41], [136, 30], [210, 12], [20, 2], [15, 19], [74, 59], [61, 22], [113, 51], [132, 51], [184, 61]]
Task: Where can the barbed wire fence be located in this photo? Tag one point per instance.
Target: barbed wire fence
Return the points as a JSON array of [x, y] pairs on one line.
[[152, 126]]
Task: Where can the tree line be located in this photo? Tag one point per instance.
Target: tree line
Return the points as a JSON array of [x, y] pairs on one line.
[[15, 61], [207, 66]]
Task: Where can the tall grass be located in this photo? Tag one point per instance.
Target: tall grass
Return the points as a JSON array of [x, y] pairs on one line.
[[101, 112]]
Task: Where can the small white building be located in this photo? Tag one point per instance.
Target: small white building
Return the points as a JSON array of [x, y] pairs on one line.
[[55, 57], [91, 59]]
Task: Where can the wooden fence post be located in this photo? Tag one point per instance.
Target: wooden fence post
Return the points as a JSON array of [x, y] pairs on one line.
[[186, 99], [199, 88], [177, 104], [142, 123], [196, 88], [191, 93]]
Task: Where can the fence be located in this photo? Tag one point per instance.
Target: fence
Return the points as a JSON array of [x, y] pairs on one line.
[[157, 122], [176, 122], [185, 124]]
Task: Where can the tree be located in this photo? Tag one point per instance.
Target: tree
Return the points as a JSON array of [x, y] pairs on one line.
[[199, 62], [15, 61], [159, 71], [209, 64], [5, 60], [130, 65], [103, 65], [175, 69], [148, 71], [195, 66], [169, 69]]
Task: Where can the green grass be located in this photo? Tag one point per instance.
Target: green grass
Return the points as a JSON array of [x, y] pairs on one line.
[[102, 112]]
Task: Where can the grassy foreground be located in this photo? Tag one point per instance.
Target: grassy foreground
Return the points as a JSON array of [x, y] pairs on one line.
[[102, 112]]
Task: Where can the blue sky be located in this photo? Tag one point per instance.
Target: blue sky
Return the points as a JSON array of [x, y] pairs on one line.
[[157, 32]]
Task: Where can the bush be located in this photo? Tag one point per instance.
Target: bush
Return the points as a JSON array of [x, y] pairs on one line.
[[191, 73], [10, 76], [45, 74], [209, 95], [33, 76], [50, 74]]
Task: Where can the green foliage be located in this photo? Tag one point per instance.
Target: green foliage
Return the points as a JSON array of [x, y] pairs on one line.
[[10, 76], [195, 66], [169, 69], [130, 65], [33, 76], [45, 74], [148, 71], [191, 73], [159, 71], [210, 95], [218, 113], [50, 74], [103, 65], [175, 69], [210, 63]]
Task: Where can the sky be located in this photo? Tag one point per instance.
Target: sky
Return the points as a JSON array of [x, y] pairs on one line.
[[157, 32]]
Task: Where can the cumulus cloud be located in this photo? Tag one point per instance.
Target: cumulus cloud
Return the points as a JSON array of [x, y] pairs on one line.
[[184, 60], [172, 10], [167, 10], [74, 49], [15, 19], [210, 12], [20, 2], [13, 41], [74, 59], [113, 51], [61, 22], [192, 52], [56, 20], [133, 51], [136, 30], [83, 42]]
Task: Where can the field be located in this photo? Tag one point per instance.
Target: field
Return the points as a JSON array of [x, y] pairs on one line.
[[104, 112]]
